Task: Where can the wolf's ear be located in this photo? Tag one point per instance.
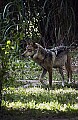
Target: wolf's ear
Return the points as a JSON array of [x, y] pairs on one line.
[[37, 44]]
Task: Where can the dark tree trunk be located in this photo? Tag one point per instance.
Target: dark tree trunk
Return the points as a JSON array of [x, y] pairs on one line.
[[74, 4]]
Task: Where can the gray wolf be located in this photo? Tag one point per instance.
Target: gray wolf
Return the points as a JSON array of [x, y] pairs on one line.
[[50, 58]]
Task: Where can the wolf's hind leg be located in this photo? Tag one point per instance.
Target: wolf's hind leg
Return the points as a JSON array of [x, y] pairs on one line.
[[69, 72], [69, 69]]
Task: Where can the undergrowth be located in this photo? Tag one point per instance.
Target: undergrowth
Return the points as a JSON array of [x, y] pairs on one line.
[[57, 100]]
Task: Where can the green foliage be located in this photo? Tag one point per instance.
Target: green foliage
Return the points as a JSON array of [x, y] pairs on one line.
[[21, 70], [57, 100]]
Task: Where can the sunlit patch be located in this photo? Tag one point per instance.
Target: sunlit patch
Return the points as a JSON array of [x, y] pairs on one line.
[[56, 100]]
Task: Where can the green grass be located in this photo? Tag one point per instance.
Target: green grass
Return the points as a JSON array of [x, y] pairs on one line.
[[57, 100]]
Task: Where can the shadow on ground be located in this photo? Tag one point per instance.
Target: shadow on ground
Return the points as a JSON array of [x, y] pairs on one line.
[[36, 114]]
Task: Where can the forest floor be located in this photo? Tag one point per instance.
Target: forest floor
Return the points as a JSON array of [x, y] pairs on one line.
[[36, 114], [39, 115]]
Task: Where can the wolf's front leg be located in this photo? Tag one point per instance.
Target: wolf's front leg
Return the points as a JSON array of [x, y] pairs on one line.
[[50, 77], [42, 75], [62, 75]]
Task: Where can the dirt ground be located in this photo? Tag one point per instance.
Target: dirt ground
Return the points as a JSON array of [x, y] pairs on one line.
[[35, 115]]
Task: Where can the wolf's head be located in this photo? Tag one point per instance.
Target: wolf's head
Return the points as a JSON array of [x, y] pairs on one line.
[[34, 50], [31, 48]]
